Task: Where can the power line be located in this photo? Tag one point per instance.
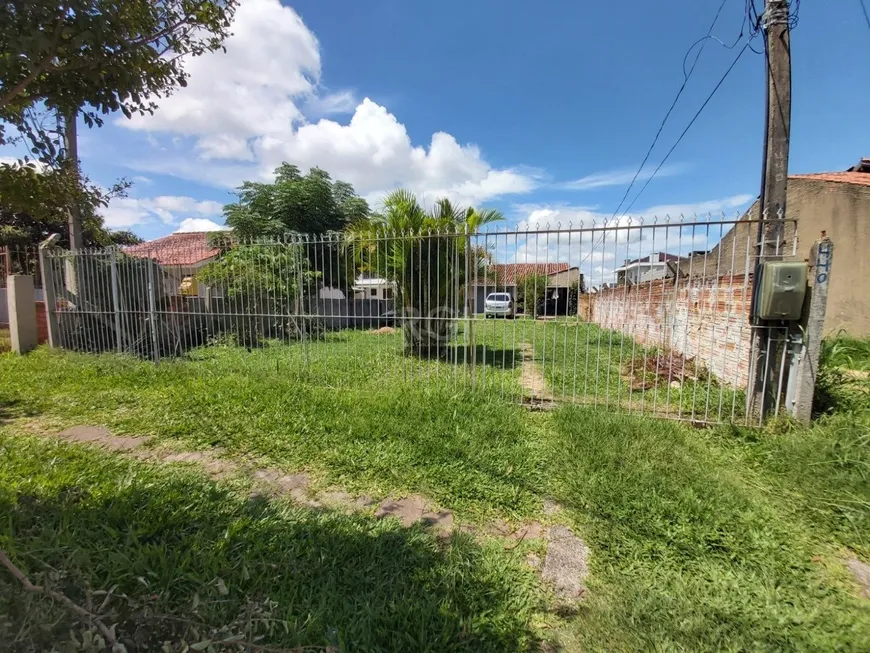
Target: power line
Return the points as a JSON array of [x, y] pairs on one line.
[[753, 31], [691, 122], [686, 77], [866, 15]]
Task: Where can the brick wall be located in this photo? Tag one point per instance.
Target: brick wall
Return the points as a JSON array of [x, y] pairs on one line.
[[704, 319]]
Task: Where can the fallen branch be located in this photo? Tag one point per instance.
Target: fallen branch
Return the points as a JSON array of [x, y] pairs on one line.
[[106, 632]]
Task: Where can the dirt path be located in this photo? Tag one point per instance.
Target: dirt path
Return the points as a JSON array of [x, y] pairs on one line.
[[533, 382]]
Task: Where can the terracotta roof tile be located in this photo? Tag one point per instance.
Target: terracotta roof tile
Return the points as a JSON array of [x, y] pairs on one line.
[[509, 273], [858, 178], [176, 249]]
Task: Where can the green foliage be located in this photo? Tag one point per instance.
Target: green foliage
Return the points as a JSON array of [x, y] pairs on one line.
[[843, 382], [259, 272], [296, 203], [99, 55], [311, 204], [34, 201], [426, 255], [692, 549], [266, 281], [846, 352], [531, 291]]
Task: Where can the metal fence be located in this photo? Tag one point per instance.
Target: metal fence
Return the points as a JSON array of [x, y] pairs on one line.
[[646, 316]]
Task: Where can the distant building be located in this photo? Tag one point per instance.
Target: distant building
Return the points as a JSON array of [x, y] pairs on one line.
[[179, 256], [649, 268], [373, 288]]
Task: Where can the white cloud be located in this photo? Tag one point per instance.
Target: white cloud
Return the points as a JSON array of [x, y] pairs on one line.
[[620, 177], [126, 212], [248, 109], [598, 243], [199, 224], [271, 58]]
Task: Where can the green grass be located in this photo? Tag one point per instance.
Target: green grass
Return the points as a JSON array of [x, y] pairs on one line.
[[698, 550], [586, 364], [183, 552], [480, 456], [848, 352], [721, 539]]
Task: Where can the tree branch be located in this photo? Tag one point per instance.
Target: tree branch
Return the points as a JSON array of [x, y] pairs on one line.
[[108, 635], [41, 66]]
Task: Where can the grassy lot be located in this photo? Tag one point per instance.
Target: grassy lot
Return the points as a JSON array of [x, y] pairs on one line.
[[701, 539], [581, 362]]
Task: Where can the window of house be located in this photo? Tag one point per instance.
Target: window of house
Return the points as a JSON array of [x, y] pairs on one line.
[[374, 292], [388, 293]]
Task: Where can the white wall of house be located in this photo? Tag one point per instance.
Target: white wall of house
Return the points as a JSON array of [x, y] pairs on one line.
[[641, 272]]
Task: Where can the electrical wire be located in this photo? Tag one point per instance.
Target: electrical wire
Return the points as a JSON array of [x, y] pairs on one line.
[[866, 15], [686, 130], [755, 23], [686, 77]]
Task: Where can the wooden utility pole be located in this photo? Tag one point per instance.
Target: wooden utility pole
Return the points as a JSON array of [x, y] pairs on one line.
[[765, 368], [71, 159]]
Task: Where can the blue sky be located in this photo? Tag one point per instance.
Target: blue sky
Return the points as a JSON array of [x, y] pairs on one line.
[[543, 110]]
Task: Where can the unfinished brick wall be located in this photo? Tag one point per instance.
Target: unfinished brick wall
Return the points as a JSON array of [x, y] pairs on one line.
[[704, 319]]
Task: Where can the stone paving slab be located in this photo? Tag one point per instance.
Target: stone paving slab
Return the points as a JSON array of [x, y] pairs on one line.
[[861, 572], [566, 564]]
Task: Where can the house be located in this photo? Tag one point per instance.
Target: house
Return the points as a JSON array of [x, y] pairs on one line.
[[179, 255], [649, 268], [504, 277], [373, 288], [836, 203]]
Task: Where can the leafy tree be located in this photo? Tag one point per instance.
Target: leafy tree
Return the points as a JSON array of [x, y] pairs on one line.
[[99, 56], [426, 255], [264, 285], [33, 205], [309, 204], [124, 238], [531, 291]]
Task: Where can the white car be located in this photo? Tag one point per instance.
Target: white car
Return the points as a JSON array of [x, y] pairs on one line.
[[498, 303]]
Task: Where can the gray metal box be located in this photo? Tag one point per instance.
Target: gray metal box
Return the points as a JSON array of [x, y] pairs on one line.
[[782, 290]]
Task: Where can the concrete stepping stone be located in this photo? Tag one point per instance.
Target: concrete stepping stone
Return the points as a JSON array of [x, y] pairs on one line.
[[861, 572], [102, 437], [566, 565], [408, 510]]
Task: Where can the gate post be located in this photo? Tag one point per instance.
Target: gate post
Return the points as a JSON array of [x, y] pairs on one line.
[[806, 368], [116, 300], [152, 308], [48, 289], [22, 312]]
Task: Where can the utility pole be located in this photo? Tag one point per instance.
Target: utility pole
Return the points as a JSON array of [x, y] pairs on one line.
[[764, 380], [71, 159]]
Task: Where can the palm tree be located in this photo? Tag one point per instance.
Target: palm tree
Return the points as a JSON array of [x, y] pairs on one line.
[[428, 256]]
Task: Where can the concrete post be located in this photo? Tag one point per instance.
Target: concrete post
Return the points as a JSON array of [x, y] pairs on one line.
[[812, 323], [22, 312]]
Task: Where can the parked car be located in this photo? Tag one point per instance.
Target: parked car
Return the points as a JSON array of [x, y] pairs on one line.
[[498, 304]]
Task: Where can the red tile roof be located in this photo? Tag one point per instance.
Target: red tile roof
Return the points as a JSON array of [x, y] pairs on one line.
[[859, 178], [176, 249], [509, 273]]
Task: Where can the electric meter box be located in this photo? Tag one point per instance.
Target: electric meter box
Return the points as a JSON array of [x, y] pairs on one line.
[[781, 292]]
